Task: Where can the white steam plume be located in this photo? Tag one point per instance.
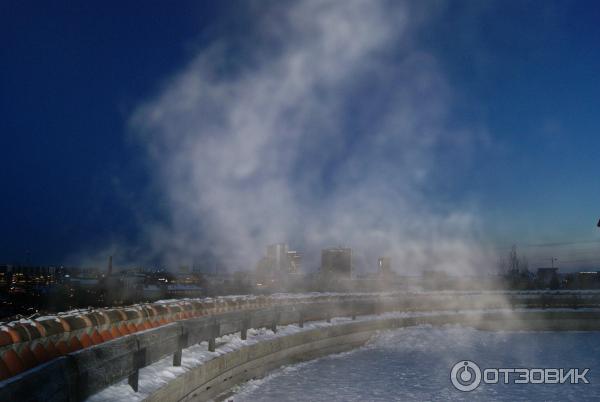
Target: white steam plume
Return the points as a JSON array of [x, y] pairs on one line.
[[325, 132]]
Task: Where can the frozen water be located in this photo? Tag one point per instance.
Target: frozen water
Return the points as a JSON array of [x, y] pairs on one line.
[[415, 363]]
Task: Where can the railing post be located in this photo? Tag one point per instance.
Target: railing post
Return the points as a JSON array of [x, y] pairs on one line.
[[215, 333], [245, 325], [275, 321], [181, 343], [80, 382], [139, 361], [357, 309]]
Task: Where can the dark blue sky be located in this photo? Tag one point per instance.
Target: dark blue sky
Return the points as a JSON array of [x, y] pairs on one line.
[[528, 72], [71, 73], [539, 88]]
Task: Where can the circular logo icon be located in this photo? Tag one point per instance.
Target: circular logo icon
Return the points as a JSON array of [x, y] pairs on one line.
[[465, 375]]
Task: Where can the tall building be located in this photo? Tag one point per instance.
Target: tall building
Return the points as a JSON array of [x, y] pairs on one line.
[[295, 261], [337, 262], [277, 255], [279, 260]]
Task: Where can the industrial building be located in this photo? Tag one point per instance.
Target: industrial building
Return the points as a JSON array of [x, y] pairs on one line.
[[337, 262]]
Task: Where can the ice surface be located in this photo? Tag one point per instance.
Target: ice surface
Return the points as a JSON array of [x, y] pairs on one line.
[[414, 364]]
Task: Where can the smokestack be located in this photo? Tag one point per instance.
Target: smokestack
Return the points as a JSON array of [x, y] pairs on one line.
[[110, 265]]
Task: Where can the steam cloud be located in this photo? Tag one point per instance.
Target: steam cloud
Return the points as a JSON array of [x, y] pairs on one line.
[[323, 126]]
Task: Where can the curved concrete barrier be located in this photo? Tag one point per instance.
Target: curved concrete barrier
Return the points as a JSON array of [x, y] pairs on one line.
[[218, 375], [254, 361]]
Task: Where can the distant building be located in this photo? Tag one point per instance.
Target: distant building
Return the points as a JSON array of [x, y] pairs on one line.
[[337, 262], [588, 280], [277, 255], [384, 266], [279, 260], [294, 261], [546, 276]]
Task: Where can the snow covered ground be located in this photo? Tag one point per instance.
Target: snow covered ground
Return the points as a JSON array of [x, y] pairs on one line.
[[414, 364]]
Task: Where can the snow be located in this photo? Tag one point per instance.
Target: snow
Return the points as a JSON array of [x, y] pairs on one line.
[[47, 318]]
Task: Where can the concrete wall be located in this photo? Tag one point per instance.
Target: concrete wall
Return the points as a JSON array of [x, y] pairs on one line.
[[222, 373]]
